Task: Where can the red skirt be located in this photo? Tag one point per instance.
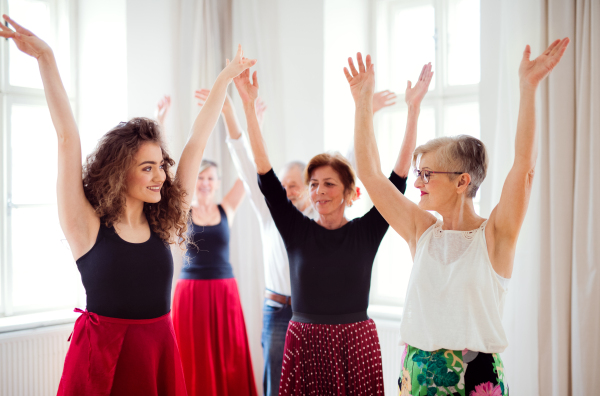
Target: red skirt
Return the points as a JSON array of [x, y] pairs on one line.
[[110, 356], [332, 360], [211, 333]]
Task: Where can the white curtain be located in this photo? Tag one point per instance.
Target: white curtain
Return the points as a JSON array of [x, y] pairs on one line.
[[202, 42], [551, 314]]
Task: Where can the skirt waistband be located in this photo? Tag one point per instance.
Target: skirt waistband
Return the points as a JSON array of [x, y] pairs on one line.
[[330, 319], [130, 321]]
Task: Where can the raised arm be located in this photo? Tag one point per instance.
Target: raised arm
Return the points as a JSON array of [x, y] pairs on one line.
[[248, 91], [77, 218], [187, 171], [232, 201], [507, 217], [401, 213], [413, 98]]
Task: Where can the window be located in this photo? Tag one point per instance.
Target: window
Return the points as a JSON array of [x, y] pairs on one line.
[[37, 272], [407, 35]]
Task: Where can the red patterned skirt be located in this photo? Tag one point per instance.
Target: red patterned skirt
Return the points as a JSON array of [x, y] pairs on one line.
[[110, 356], [211, 333], [335, 360]]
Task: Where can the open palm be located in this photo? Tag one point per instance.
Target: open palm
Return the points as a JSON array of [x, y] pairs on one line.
[[25, 40], [414, 95], [238, 64], [247, 89], [362, 81], [532, 72]]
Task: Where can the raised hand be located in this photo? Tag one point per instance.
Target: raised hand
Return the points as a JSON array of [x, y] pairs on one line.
[[261, 108], [247, 89], [26, 41], [532, 72], [162, 108], [414, 95], [383, 99], [238, 64], [362, 81], [202, 95]]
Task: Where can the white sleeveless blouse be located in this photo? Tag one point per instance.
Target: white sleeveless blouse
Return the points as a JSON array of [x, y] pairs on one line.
[[454, 298]]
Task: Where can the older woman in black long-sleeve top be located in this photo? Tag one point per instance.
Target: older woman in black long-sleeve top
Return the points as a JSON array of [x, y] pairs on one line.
[[331, 344]]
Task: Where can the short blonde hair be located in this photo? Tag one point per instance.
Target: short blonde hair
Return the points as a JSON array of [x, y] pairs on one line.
[[340, 164], [461, 153]]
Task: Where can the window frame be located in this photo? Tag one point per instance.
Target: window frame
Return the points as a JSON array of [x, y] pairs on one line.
[[444, 94], [61, 11]]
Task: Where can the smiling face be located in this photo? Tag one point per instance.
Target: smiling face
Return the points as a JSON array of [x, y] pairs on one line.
[[295, 188], [441, 192], [207, 183], [146, 175], [327, 192]]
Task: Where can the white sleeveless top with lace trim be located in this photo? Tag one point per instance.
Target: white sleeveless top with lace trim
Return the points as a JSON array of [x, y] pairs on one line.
[[454, 298]]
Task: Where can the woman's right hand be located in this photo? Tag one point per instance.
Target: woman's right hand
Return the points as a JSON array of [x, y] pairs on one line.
[[26, 41], [202, 95], [247, 89], [237, 65]]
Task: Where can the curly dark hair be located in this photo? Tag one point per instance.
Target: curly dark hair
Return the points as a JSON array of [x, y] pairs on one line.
[[104, 180]]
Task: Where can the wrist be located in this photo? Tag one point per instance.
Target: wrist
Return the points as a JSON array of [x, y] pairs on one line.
[[414, 108], [249, 106], [46, 55], [526, 87]]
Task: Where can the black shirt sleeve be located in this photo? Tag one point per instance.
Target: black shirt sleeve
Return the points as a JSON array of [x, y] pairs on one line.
[[373, 222], [287, 217]]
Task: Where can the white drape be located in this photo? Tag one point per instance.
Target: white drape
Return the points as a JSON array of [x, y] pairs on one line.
[[551, 315]]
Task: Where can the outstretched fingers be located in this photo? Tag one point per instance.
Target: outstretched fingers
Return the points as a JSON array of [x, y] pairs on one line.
[[560, 48], [361, 65], [347, 74], [18, 28], [551, 47], [352, 68], [527, 52]]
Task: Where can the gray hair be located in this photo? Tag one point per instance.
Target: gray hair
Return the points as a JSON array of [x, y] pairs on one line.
[[293, 165], [461, 153], [205, 164]]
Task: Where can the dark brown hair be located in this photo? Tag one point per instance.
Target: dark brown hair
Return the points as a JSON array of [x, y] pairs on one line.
[[339, 164], [105, 175]]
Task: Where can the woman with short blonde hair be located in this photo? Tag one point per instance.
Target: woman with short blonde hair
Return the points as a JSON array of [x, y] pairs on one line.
[[452, 319]]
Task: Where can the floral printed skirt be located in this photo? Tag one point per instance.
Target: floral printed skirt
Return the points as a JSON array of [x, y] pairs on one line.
[[458, 373]]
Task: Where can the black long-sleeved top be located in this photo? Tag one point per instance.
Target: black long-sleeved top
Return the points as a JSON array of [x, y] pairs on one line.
[[330, 270]]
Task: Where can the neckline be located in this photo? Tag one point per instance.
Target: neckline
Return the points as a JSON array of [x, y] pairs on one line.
[[221, 211], [131, 243], [438, 232]]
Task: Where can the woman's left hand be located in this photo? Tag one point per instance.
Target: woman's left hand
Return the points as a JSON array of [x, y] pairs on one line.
[[532, 72], [414, 95]]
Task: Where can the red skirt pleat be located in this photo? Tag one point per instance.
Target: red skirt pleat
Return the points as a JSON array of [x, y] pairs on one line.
[[110, 356], [335, 360], [211, 333]]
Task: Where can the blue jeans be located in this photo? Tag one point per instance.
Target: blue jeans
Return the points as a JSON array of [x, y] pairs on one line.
[[275, 324]]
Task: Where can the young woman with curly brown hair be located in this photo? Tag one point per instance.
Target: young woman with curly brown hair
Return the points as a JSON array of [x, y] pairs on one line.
[[119, 223]]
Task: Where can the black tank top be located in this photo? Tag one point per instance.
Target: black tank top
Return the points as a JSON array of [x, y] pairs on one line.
[[127, 280], [210, 259]]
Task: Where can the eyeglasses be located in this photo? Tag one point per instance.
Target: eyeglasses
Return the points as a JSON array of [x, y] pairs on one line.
[[426, 174]]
